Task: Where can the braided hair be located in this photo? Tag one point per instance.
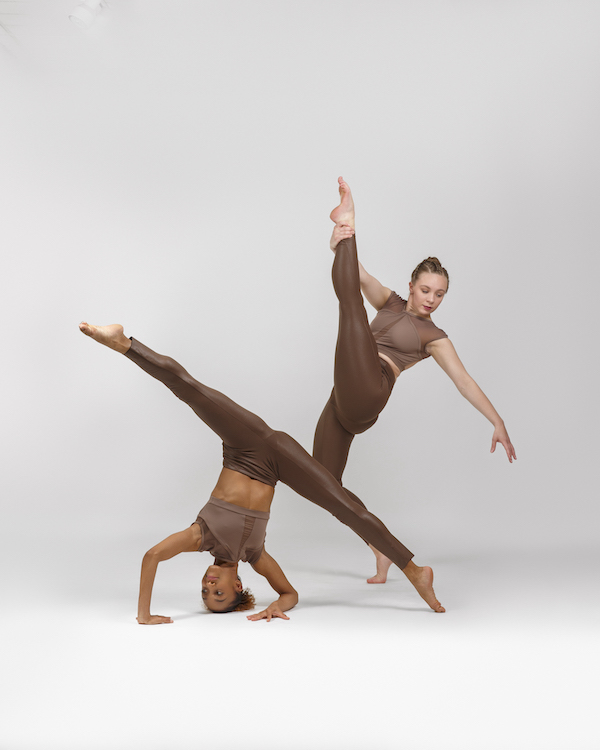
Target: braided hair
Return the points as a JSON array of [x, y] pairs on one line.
[[429, 265]]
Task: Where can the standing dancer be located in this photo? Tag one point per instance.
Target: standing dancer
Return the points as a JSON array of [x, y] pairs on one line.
[[232, 525], [369, 358]]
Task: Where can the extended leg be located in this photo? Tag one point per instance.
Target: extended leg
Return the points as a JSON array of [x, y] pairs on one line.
[[362, 383], [236, 426], [361, 387], [308, 478]]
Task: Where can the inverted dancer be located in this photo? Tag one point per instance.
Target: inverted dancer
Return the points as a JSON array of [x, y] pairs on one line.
[[369, 358], [232, 525]]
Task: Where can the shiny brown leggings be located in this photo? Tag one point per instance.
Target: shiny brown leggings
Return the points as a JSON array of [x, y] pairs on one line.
[[362, 380], [275, 452]]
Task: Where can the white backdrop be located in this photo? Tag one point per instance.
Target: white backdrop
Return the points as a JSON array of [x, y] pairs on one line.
[[173, 170]]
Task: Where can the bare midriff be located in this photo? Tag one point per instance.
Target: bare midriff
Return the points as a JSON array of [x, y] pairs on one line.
[[238, 489]]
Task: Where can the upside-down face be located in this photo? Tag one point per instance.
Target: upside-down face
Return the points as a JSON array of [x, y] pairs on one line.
[[220, 587]]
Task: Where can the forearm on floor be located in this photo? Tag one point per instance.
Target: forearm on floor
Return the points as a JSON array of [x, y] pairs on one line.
[[148, 574]]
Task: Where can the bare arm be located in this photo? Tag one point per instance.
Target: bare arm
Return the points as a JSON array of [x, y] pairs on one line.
[[187, 540], [288, 596], [376, 293], [445, 355]]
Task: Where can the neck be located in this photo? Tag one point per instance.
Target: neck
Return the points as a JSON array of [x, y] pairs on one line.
[[226, 564], [411, 308]]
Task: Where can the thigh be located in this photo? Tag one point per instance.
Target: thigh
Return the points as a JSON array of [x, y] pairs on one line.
[[308, 478], [236, 426], [357, 369]]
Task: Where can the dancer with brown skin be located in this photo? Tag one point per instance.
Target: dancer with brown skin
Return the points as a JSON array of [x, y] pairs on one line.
[[232, 524], [369, 358]]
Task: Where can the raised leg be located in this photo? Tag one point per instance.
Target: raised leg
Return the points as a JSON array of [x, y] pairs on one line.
[[236, 426], [360, 385]]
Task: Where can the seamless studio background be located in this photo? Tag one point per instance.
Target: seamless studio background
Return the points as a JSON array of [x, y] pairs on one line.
[[173, 169]]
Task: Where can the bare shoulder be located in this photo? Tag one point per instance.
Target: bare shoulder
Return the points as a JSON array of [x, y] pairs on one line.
[[264, 563], [187, 540], [445, 355], [443, 345], [383, 297], [443, 352]]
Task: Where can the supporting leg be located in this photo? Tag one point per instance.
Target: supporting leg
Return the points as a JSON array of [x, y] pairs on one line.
[[332, 441]]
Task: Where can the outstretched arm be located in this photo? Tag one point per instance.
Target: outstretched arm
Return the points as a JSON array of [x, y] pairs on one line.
[[376, 293], [187, 540], [288, 596], [445, 355]]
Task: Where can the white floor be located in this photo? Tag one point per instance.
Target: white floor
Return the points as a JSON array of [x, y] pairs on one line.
[[512, 664]]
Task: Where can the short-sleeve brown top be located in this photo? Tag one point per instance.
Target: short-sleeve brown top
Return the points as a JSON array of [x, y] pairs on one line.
[[403, 336]]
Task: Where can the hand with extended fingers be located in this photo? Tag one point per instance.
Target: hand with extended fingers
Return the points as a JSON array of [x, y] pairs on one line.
[[501, 436], [268, 613]]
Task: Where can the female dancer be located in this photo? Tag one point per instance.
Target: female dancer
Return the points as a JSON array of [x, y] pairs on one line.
[[232, 525], [368, 359]]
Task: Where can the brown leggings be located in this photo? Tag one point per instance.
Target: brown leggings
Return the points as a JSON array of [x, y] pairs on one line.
[[274, 452], [362, 380]]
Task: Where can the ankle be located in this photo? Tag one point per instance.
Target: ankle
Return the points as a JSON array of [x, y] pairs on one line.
[[123, 345]]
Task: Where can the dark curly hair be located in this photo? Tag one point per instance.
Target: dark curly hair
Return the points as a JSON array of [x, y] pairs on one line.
[[245, 600]]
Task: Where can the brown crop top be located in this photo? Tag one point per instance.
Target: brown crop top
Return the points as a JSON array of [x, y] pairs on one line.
[[403, 336], [232, 533]]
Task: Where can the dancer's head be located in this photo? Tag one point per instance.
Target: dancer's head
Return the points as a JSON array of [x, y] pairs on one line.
[[222, 590], [428, 285]]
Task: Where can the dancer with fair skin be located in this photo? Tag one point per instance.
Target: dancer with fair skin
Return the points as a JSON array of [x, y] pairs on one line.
[[255, 458], [369, 360]]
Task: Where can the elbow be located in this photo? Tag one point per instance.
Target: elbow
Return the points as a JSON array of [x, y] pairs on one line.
[[463, 391], [465, 386], [151, 557]]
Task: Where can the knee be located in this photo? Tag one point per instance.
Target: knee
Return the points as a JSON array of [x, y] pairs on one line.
[[284, 441], [353, 419]]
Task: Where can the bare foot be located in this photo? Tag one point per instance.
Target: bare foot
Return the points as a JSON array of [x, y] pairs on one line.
[[383, 565], [422, 580], [111, 336], [344, 213]]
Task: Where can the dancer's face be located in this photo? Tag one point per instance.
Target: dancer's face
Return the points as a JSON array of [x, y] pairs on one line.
[[427, 293], [220, 587]]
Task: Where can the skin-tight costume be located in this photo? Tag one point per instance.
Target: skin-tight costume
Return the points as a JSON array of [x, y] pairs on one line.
[[363, 381]]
